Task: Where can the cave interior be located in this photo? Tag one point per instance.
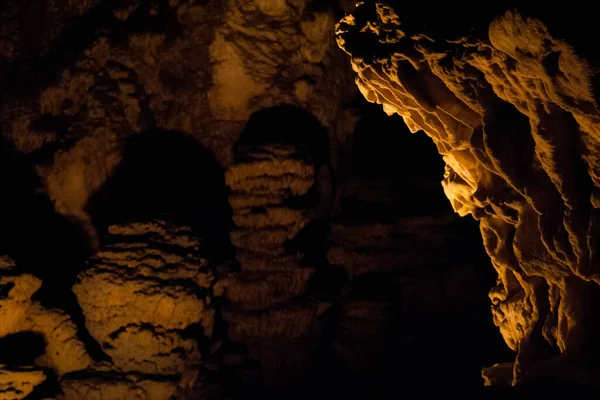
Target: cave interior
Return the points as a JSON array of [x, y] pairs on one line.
[[310, 199]]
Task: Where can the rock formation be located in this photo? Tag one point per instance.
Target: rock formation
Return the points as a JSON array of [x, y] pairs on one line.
[[514, 114], [61, 349], [123, 112], [99, 72], [139, 295], [266, 316], [19, 383]]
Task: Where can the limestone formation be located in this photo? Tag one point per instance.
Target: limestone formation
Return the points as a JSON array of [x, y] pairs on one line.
[[64, 352], [515, 117], [289, 329], [268, 314], [101, 385], [142, 291], [97, 72], [18, 383], [263, 181]]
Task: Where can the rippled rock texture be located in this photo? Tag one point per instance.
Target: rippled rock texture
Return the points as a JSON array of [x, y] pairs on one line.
[[140, 294], [265, 315], [512, 110], [49, 335], [79, 78], [19, 383]]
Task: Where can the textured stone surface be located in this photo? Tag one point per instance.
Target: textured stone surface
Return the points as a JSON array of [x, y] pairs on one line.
[[142, 291], [95, 73], [514, 116], [63, 352], [265, 180], [277, 173], [19, 383], [259, 290], [99, 385], [289, 329]]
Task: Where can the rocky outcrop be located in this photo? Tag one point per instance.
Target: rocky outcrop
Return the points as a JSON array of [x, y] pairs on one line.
[[514, 115], [18, 383], [142, 291], [256, 67], [63, 351]]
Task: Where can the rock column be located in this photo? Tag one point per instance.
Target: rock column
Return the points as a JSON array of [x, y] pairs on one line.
[[269, 310]]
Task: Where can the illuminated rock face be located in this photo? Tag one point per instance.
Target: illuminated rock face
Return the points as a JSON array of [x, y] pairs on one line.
[[515, 119], [19, 383], [62, 350], [142, 291]]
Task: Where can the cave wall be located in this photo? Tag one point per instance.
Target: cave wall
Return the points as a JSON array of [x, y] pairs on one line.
[[117, 114], [513, 112], [345, 265], [92, 74]]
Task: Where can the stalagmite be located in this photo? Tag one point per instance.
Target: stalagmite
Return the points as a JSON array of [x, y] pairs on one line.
[[139, 294], [264, 181]]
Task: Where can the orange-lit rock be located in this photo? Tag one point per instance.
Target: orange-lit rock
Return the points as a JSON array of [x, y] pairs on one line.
[[264, 178], [18, 383], [249, 59], [101, 385], [515, 119], [142, 291], [64, 352]]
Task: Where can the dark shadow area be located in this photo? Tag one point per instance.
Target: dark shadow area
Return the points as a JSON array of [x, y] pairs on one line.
[[287, 124], [167, 173], [385, 148], [408, 166], [292, 125], [5, 289], [21, 349], [41, 241], [440, 327], [45, 47]]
